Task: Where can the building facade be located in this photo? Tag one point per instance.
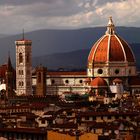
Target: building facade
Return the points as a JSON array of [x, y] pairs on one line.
[[23, 67]]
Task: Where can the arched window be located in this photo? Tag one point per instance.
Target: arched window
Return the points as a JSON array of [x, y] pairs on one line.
[[22, 83], [20, 72], [19, 83], [20, 58], [52, 81]]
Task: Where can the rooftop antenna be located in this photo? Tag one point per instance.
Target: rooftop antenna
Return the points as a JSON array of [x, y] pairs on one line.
[[23, 34]]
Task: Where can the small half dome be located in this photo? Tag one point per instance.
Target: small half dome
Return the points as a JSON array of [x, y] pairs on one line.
[[98, 82]]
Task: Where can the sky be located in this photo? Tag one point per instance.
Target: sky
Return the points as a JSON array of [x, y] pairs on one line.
[[30, 15]]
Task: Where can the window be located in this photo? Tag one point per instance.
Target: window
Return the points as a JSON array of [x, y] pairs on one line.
[[117, 71], [19, 83], [124, 117], [109, 117], [20, 58], [80, 81], [22, 83], [20, 72], [43, 121], [69, 113], [66, 81], [100, 71], [52, 82], [94, 118]]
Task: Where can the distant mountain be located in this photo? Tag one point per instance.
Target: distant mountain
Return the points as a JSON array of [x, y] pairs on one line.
[[68, 61], [136, 49], [47, 42], [74, 59]]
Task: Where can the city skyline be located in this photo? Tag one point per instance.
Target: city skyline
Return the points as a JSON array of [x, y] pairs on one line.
[[61, 14], [99, 102]]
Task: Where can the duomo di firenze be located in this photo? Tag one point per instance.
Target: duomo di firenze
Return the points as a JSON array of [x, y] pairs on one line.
[[111, 68]]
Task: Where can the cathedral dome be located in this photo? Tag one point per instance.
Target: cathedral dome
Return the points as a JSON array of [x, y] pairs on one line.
[[110, 48], [98, 82]]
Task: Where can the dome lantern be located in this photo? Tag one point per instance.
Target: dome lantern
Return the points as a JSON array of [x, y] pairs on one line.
[[110, 27]]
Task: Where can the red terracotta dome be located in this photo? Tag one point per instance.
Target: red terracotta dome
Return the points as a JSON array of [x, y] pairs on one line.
[[98, 82], [111, 48]]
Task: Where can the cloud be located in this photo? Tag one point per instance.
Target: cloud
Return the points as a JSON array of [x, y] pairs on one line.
[[125, 12], [25, 2], [34, 14]]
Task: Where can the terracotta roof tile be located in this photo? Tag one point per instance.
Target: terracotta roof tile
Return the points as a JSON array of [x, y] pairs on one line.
[[98, 82], [111, 48], [66, 73]]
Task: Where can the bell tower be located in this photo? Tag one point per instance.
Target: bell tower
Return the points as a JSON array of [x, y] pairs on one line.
[[23, 67]]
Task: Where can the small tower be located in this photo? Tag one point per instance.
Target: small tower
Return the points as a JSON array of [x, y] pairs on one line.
[[110, 27], [23, 67], [10, 79], [41, 81]]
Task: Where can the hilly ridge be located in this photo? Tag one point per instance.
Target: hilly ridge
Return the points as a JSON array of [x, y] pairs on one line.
[[75, 59], [50, 46]]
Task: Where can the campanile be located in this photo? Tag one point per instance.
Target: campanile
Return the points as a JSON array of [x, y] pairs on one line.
[[23, 67]]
